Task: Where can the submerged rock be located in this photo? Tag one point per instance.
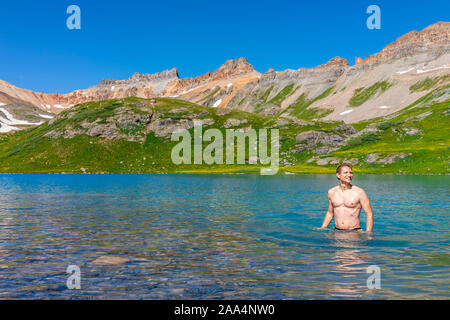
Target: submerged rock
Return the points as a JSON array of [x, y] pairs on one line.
[[110, 260]]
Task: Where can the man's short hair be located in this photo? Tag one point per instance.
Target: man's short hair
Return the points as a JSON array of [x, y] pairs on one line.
[[338, 169]]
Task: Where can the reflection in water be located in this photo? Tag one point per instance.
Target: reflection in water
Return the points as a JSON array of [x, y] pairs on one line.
[[217, 237], [350, 263]]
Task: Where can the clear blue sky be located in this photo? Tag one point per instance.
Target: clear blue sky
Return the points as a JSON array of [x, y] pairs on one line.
[[118, 38]]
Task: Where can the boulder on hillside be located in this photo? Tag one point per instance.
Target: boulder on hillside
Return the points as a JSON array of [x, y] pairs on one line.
[[232, 122], [299, 149], [282, 122], [375, 158], [270, 109], [124, 124], [179, 110], [313, 138], [413, 132], [394, 157], [372, 157], [329, 160], [345, 129], [296, 120], [422, 116], [352, 161], [223, 111], [163, 128], [324, 150]]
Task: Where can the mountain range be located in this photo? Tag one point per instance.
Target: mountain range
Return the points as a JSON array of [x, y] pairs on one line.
[[376, 86], [386, 113]]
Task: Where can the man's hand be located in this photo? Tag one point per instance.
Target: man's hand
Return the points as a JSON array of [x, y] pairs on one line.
[[368, 234]]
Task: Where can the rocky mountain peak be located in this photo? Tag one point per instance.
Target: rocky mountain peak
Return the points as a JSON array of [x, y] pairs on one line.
[[233, 68], [435, 36], [236, 84], [438, 26], [337, 61], [138, 78], [164, 75]]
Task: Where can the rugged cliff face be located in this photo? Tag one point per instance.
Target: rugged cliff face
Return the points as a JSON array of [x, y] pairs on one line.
[[379, 85], [433, 40]]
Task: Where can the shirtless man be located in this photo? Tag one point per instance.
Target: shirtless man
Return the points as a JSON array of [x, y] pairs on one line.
[[345, 202]]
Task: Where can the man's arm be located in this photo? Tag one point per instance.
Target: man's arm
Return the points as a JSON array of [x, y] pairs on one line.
[[329, 215], [365, 203]]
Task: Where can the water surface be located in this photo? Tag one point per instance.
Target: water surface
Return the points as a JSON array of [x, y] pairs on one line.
[[219, 237]]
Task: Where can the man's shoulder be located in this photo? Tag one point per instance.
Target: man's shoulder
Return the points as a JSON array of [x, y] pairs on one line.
[[333, 190], [358, 189]]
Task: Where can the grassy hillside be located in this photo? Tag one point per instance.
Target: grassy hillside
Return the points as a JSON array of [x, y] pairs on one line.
[[361, 95], [119, 136], [300, 107]]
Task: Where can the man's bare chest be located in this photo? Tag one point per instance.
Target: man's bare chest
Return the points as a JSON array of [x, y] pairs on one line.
[[346, 199]]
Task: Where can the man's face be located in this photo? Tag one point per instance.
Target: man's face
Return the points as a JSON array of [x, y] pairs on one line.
[[346, 175]]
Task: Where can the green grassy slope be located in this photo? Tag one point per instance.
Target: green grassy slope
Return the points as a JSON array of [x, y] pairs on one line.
[[361, 95], [30, 151], [429, 149], [300, 109]]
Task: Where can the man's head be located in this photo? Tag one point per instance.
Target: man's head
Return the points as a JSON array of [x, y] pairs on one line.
[[344, 173]]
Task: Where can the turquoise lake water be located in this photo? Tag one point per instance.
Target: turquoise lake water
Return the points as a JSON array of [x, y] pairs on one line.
[[219, 237]]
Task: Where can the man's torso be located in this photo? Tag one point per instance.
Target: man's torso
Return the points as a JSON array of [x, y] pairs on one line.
[[346, 206]]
